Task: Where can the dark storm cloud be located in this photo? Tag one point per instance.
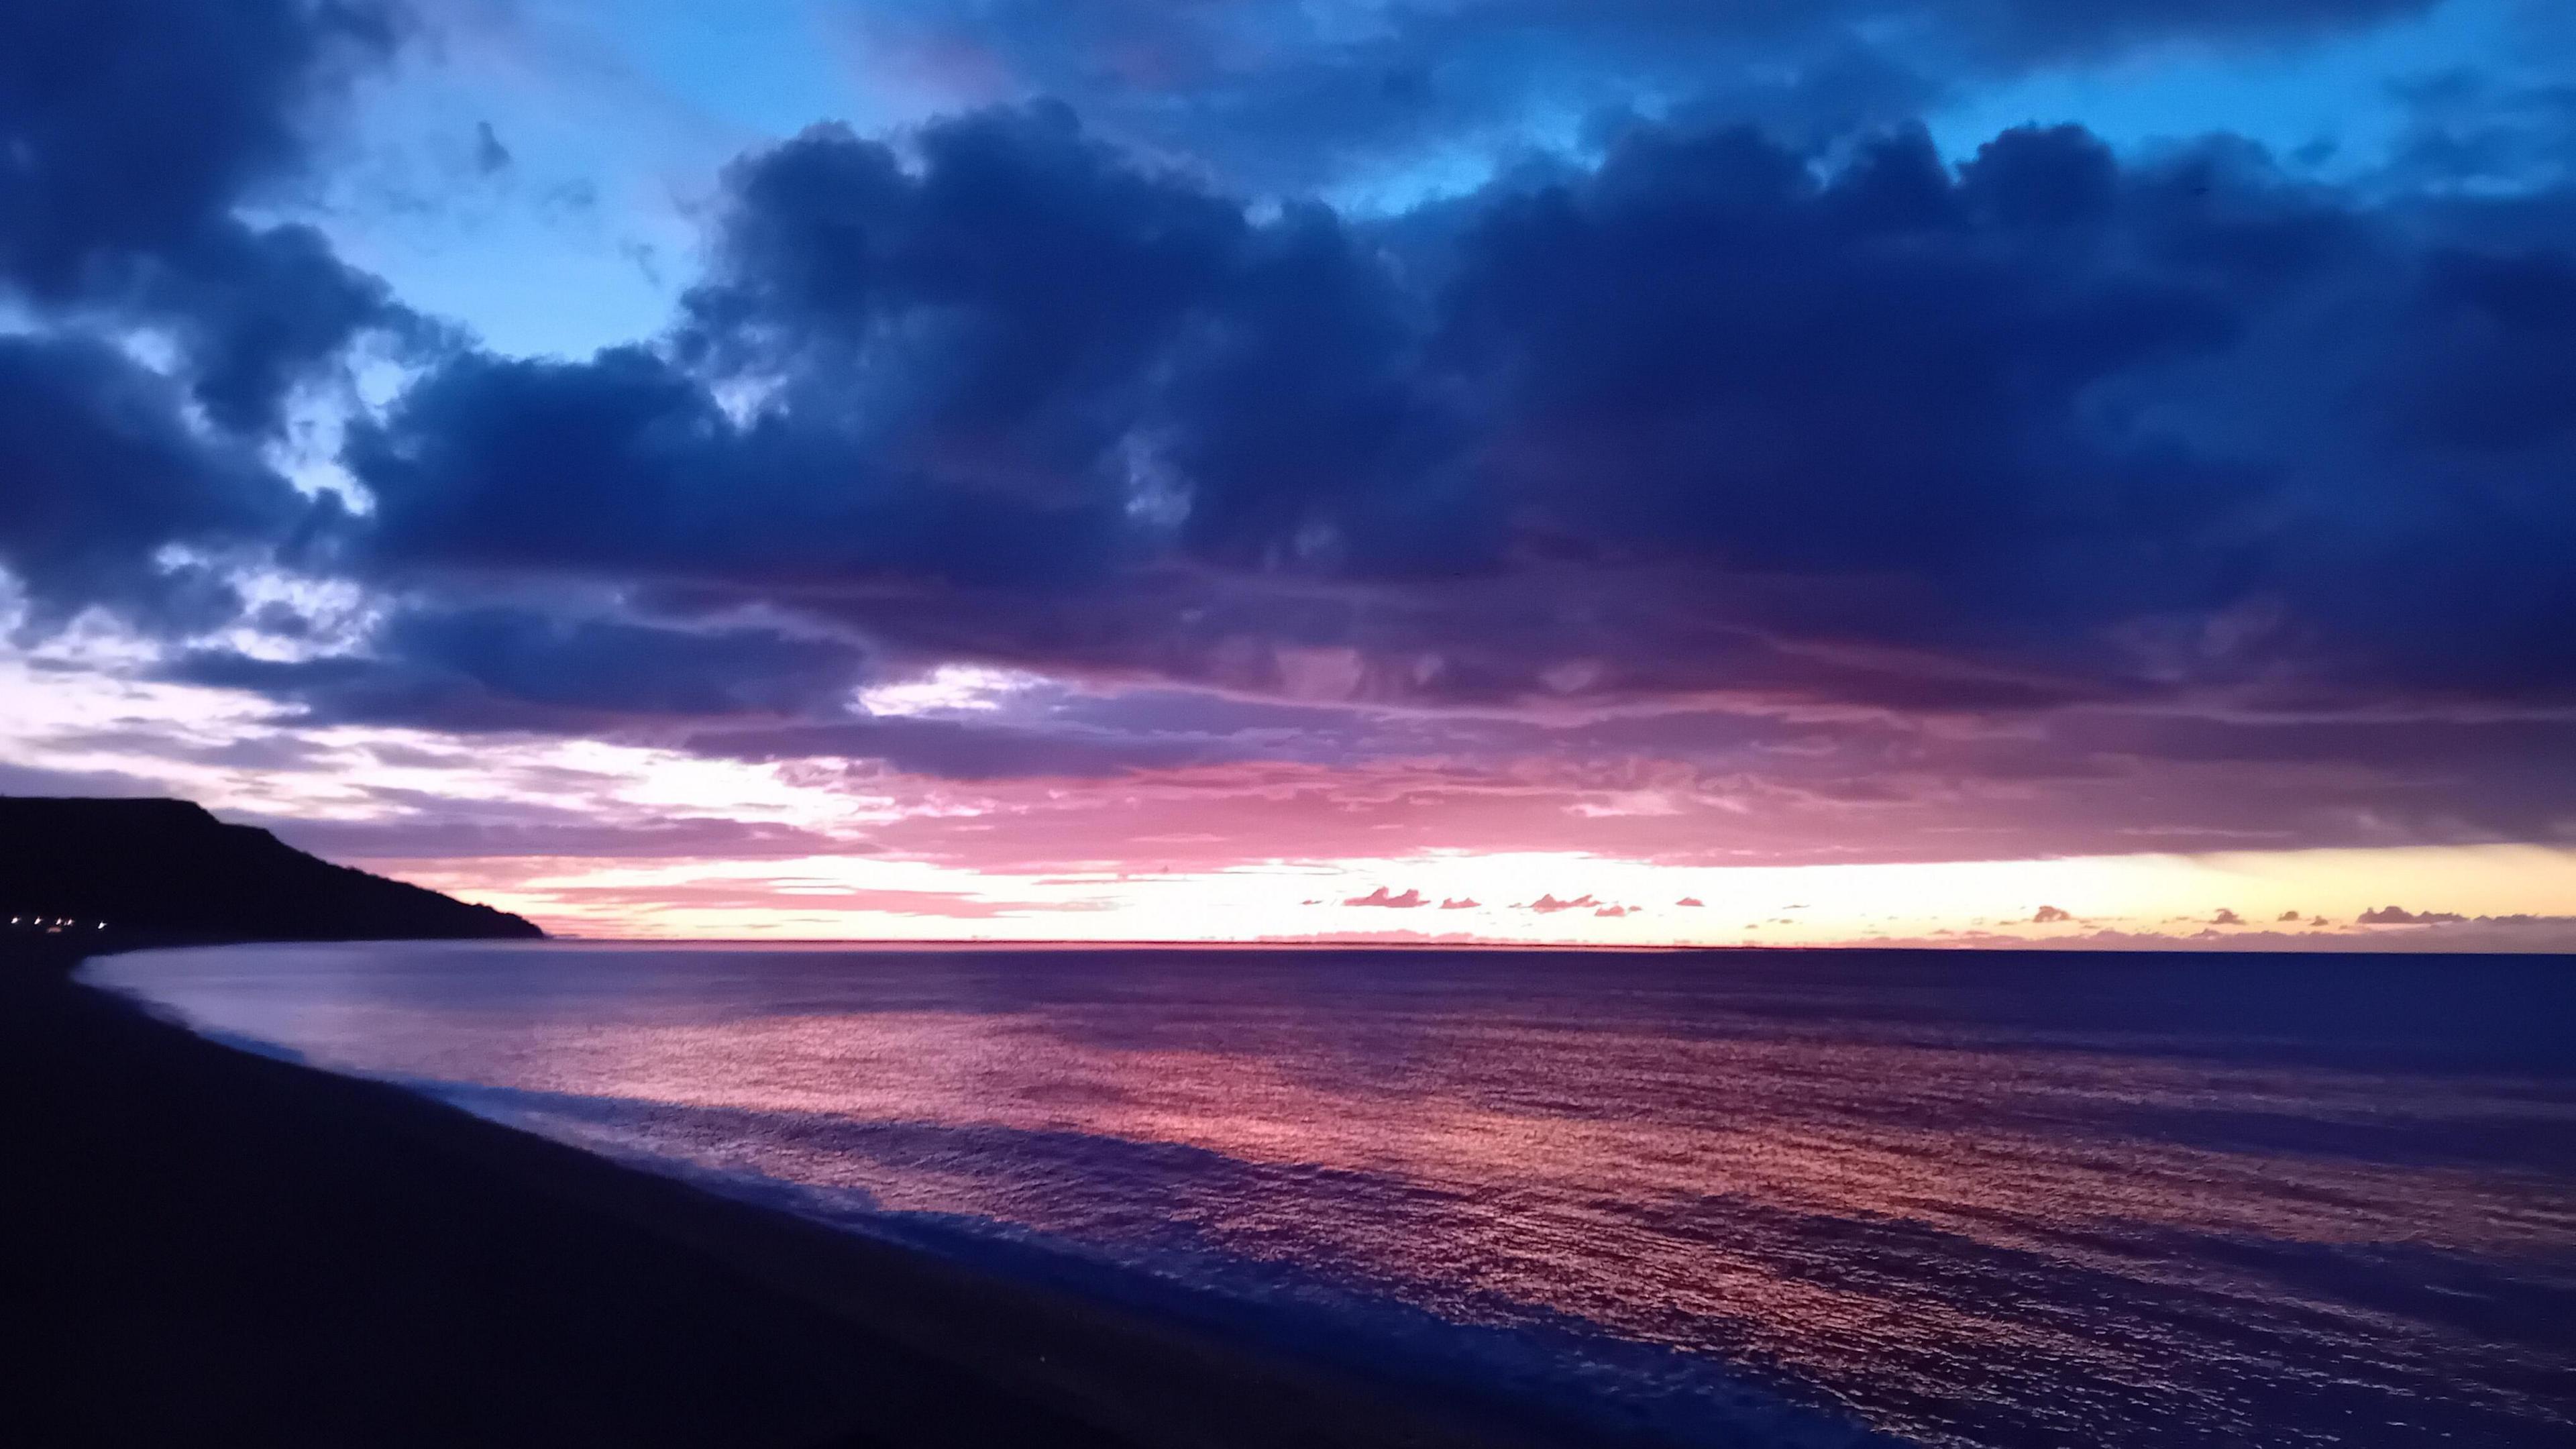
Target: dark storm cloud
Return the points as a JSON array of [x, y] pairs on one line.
[[997, 392], [256, 312], [2502, 329], [512, 669], [2037, 430], [1783, 440], [1281, 96], [132, 130], [2465, 128], [101, 472], [130, 133], [628, 467], [1883, 376], [135, 127]]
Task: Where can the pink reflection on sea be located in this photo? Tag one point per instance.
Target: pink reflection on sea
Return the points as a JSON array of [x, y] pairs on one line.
[[2003, 1211]]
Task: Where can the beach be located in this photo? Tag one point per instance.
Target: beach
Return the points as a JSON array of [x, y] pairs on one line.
[[216, 1246]]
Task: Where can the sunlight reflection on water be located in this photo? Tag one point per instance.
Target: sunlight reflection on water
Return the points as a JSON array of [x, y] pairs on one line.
[[2026, 1201]]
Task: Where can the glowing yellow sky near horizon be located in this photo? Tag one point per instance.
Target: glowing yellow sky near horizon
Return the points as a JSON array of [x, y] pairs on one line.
[[134, 731], [837, 897]]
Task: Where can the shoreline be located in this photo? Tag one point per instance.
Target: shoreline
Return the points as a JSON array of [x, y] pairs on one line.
[[226, 1241]]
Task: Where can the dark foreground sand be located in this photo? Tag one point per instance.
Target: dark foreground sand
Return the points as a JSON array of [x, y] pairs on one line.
[[203, 1246]]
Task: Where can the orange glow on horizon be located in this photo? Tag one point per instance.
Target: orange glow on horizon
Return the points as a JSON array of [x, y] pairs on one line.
[[2237, 899]]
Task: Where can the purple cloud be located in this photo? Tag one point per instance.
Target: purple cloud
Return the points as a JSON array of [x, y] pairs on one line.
[[1769, 485], [2400, 916]]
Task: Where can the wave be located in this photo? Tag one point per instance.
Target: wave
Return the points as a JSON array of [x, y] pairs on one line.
[[1563, 1367]]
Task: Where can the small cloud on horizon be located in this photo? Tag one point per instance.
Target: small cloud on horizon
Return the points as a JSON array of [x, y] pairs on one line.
[[2400, 916], [490, 156], [1693, 902], [1380, 897], [1458, 903], [1548, 905], [2048, 915]]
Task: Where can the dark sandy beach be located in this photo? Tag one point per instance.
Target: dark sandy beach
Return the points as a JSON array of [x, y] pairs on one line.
[[209, 1246]]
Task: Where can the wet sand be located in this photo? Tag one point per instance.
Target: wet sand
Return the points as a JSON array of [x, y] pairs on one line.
[[209, 1246]]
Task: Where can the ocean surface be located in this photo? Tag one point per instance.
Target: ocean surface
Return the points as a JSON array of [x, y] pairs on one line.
[[1721, 1198]]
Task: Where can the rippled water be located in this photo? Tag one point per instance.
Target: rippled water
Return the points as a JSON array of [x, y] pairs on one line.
[[1994, 1200]]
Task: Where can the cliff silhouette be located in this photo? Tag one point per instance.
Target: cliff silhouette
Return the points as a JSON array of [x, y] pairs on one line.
[[132, 872]]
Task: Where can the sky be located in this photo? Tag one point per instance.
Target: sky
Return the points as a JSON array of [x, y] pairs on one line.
[[1621, 472]]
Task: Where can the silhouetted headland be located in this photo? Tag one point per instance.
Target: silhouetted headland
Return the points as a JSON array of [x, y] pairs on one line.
[[212, 1246], [121, 873]]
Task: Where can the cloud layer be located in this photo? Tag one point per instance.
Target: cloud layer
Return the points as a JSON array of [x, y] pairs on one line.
[[1752, 479]]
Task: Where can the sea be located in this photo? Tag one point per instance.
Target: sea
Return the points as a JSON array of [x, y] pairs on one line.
[[1698, 1198]]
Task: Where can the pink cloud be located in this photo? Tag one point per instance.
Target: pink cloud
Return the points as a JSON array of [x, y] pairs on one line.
[[2521, 933], [1379, 897], [797, 897], [2400, 916], [1382, 938]]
